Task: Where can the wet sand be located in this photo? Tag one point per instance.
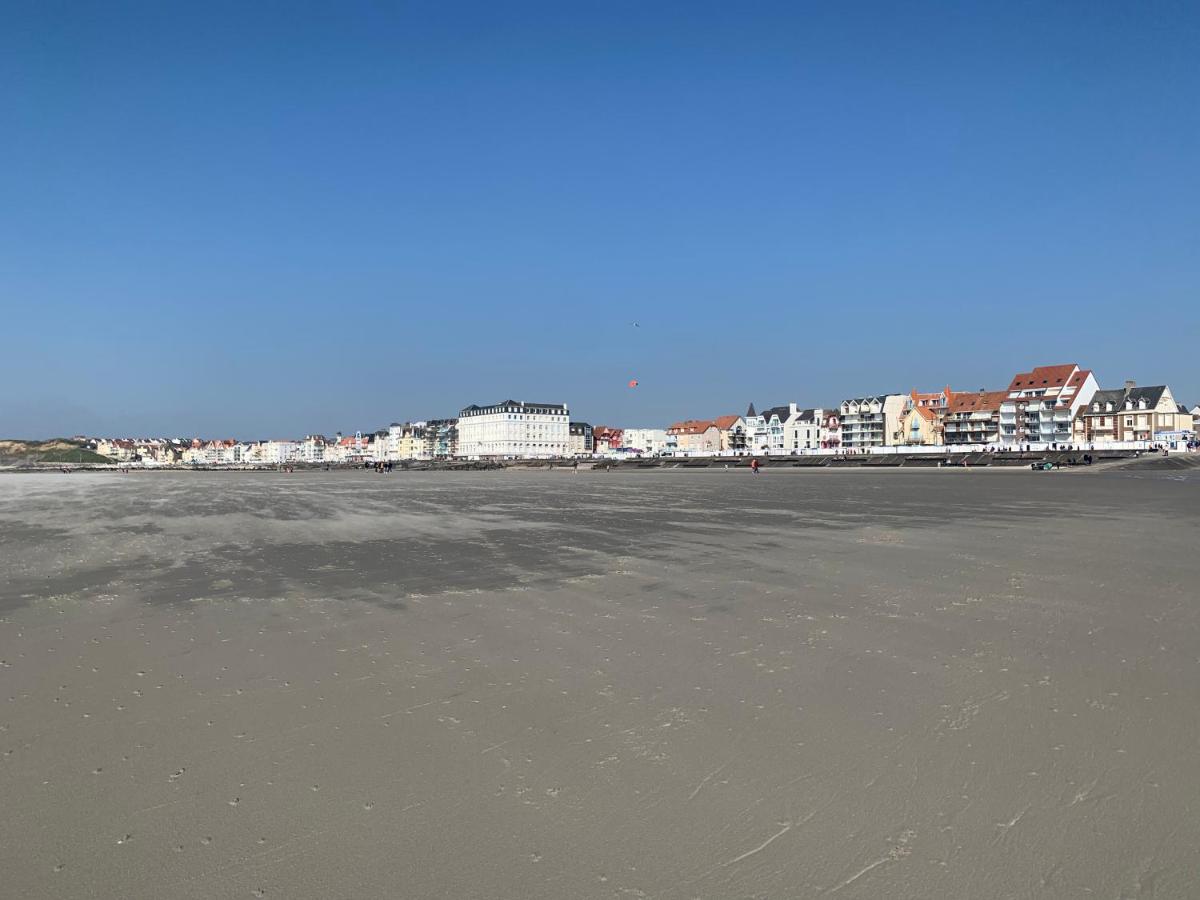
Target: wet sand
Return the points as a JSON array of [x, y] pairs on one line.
[[902, 684]]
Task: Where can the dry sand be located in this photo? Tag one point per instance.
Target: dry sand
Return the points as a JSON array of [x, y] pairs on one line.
[[897, 684]]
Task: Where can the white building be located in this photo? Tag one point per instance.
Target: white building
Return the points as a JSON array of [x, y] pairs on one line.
[[312, 449], [650, 441], [276, 452], [514, 428], [1042, 404], [871, 421], [806, 429]]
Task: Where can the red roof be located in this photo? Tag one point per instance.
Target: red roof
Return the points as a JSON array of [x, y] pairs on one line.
[[691, 426], [724, 423], [1043, 377], [931, 395], [984, 401]]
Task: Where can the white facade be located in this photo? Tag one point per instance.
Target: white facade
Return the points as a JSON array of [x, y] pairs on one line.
[[277, 452], [312, 449], [514, 428], [871, 421], [805, 429], [1042, 404], [650, 441]]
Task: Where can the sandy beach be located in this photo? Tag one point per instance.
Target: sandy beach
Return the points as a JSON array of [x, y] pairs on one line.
[[668, 684]]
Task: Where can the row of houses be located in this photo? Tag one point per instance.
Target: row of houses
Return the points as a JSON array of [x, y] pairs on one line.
[[1048, 405], [436, 439]]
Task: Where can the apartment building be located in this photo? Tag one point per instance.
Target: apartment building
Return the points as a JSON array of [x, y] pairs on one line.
[[515, 428], [580, 439], [694, 436], [1042, 404], [973, 418], [921, 423], [867, 422], [441, 439], [647, 441], [732, 430], [807, 429]]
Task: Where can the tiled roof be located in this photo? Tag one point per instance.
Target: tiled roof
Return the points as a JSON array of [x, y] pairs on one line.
[[691, 426], [724, 423], [1043, 377], [983, 401], [931, 395], [1118, 396]]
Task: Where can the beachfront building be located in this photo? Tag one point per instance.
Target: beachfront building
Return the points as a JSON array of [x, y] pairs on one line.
[[1042, 404], [732, 430], [440, 439], [773, 420], [756, 430], [118, 449], [408, 439], [1130, 413], [514, 428], [831, 429], [647, 441], [312, 448], [1195, 412], [973, 418], [694, 437], [924, 426], [579, 436], [867, 422], [806, 429], [350, 449], [606, 438], [389, 440], [277, 452], [919, 426]]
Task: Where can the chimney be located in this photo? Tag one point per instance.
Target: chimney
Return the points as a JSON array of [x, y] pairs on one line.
[[1130, 383]]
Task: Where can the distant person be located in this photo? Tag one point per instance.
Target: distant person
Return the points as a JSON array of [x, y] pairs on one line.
[[754, 466]]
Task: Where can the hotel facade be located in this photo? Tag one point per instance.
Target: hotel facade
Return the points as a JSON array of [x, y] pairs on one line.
[[514, 428]]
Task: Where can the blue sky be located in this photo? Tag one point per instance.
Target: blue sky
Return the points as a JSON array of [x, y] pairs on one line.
[[267, 219]]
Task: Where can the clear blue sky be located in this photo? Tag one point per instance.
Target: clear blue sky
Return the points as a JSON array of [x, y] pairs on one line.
[[263, 219]]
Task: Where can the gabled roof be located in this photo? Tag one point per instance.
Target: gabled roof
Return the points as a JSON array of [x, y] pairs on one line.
[[781, 411], [1118, 396], [724, 423], [1043, 377], [1079, 378], [691, 426], [931, 395]]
